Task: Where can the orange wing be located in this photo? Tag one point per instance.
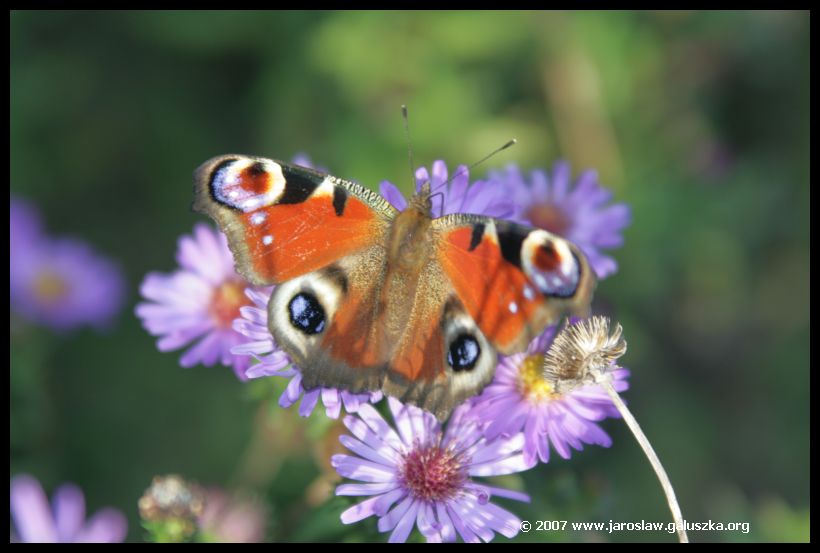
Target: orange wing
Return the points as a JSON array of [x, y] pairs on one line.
[[513, 280], [283, 220]]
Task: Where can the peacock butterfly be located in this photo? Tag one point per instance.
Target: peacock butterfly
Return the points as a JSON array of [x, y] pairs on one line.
[[370, 298]]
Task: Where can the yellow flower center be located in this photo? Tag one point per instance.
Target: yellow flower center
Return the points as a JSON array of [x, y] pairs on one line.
[[50, 287], [531, 381], [226, 301]]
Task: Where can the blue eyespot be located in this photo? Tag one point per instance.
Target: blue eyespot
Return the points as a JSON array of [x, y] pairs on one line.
[[463, 353], [306, 313]]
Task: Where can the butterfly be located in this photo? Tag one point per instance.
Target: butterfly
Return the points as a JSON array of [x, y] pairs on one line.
[[370, 298]]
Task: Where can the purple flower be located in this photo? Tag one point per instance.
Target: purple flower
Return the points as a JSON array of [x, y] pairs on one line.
[[579, 214], [519, 398], [420, 475], [480, 198], [25, 225], [35, 521], [272, 361], [62, 283], [198, 302]]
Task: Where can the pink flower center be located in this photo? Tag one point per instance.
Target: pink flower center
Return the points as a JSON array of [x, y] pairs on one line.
[[549, 217], [433, 474], [226, 301], [50, 287]]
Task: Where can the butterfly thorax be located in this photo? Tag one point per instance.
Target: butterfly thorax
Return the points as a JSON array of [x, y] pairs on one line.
[[409, 244]]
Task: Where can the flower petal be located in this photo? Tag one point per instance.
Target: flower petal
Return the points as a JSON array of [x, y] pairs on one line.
[[69, 511], [373, 488], [30, 511], [359, 511], [360, 469], [405, 524], [106, 526]]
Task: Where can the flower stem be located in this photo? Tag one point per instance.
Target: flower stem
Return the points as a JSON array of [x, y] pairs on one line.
[[653, 460]]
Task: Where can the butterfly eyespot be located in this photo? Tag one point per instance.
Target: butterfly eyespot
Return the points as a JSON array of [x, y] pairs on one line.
[[464, 353], [550, 264], [306, 313], [247, 185]]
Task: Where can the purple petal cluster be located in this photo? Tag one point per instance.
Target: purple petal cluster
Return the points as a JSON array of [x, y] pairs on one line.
[[196, 304], [62, 521], [579, 210], [417, 474], [519, 399], [458, 196], [62, 283]]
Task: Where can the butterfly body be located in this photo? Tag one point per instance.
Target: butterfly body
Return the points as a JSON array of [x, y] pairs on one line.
[[370, 298]]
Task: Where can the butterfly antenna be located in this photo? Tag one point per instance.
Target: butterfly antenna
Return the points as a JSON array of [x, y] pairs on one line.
[[511, 142], [441, 195], [409, 147]]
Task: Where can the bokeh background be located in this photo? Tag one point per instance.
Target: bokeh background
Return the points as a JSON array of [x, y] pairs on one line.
[[699, 121]]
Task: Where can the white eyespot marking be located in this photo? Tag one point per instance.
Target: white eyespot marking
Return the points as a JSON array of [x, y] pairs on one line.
[[513, 307], [248, 184], [490, 233], [528, 293], [267, 239], [325, 189], [258, 218]]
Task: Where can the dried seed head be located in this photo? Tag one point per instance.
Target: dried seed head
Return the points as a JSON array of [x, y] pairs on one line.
[[582, 353], [171, 497]]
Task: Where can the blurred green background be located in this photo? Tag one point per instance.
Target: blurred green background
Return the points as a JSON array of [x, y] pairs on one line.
[[700, 121]]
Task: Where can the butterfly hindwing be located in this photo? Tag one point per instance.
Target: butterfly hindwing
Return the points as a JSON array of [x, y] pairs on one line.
[[282, 220], [330, 323]]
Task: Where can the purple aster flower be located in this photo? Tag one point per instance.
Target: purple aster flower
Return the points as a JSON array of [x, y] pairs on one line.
[[25, 225], [581, 214], [272, 361], [480, 198], [198, 302], [520, 399], [35, 521], [420, 475], [62, 283]]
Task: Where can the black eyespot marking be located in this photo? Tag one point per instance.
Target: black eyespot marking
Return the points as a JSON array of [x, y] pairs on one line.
[[257, 169], [510, 239], [299, 185], [306, 313], [338, 276], [216, 180], [339, 200], [477, 235], [463, 353]]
